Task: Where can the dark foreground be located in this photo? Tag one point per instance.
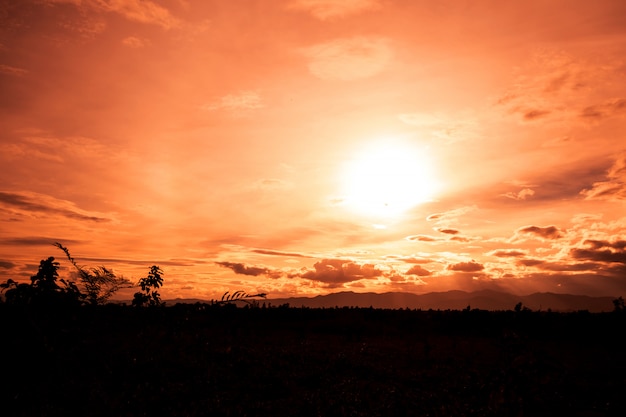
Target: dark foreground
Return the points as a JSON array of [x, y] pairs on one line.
[[220, 361]]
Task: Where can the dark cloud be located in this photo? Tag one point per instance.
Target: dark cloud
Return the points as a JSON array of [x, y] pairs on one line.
[[471, 266], [36, 241], [418, 270], [243, 269], [614, 187], [339, 271], [278, 253], [447, 231], [460, 239], [599, 244], [535, 114], [7, 265], [530, 262], [507, 253], [29, 203], [548, 232], [601, 251], [607, 109]]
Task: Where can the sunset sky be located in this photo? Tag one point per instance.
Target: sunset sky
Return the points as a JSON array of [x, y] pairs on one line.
[[301, 147]]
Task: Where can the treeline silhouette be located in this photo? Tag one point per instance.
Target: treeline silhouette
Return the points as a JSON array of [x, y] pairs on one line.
[[95, 286], [65, 354]]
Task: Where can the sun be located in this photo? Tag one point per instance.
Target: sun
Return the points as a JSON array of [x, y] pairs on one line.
[[388, 177]]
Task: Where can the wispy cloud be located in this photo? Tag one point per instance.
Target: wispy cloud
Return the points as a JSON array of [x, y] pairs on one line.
[[552, 85], [604, 110], [144, 11], [349, 58], [11, 70], [520, 195], [278, 253], [35, 203], [331, 9], [236, 102], [134, 42], [508, 253], [448, 128], [614, 188], [424, 238], [36, 241]]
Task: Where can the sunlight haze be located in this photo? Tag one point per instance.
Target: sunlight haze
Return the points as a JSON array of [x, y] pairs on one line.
[[299, 148]]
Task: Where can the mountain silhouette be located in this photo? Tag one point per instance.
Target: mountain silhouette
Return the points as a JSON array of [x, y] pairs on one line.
[[453, 300]]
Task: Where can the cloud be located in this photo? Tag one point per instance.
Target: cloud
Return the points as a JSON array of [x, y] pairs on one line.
[[134, 42], [44, 204], [7, 265], [507, 253], [548, 232], [604, 110], [601, 251], [278, 253], [530, 262], [521, 195], [530, 115], [143, 11], [614, 188], [462, 239], [242, 269], [450, 128], [243, 100], [330, 9], [552, 85], [415, 260], [419, 271], [450, 215], [349, 58], [423, 238], [36, 241], [471, 266], [340, 271], [446, 230], [272, 184], [10, 70]]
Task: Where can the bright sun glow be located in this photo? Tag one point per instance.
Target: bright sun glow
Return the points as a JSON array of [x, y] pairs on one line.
[[388, 178]]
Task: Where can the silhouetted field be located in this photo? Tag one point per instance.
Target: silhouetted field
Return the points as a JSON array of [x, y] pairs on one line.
[[201, 360]]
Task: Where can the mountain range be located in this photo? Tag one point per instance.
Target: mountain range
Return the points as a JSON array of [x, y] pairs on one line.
[[453, 300]]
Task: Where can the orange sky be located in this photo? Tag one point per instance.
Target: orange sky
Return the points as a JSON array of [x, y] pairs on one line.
[[300, 147]]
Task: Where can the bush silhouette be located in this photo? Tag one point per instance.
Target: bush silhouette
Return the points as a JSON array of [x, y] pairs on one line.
[[98, 283], [44, 288], [149, 285]]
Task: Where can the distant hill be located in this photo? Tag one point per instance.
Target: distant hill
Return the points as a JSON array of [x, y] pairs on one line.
[[454, 300]]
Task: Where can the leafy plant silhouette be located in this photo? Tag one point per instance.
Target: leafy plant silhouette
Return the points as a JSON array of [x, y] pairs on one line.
[[44, 288], [240, 296], [149, 285], [99, 283]]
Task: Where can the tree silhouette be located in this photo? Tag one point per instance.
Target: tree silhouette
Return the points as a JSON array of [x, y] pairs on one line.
[[44, 288], [99, 283], [149, 285]]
